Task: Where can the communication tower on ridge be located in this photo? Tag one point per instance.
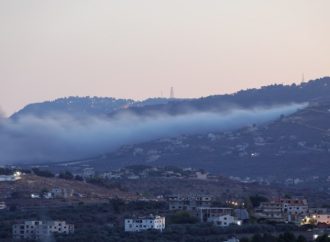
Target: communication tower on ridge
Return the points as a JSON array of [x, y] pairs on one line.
[[172, 93]]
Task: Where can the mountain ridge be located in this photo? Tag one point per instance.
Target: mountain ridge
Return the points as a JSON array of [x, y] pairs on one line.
[[275, 94]]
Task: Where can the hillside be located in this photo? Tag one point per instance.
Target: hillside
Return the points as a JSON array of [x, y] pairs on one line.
[[293, 146], [36, 184]]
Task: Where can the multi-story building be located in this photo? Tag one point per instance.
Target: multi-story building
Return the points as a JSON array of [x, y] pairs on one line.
[[144, 223], [41, 229], [189, 203], [294, 206], [271, 211], [283, 210]]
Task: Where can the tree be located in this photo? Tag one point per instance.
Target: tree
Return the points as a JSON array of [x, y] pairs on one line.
[[257, 199], [43, 173], [44, 191], [323, 238], [6, 171], [78, 178], [117, 204], [286, 237], [244, 239], [257, 238], [67, 175], [183, 217], [301, 239], [12, 208]]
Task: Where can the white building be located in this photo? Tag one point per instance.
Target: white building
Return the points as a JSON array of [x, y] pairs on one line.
[[41, 229], [224, 220], [16, 176], [295, 206], [145, 223], [2, 205], [35, 195], [88, 173]]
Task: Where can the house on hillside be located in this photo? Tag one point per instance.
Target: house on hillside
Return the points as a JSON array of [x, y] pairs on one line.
[[271, 211], [14, 177], [88, 172], [221, 217], [296, 208], [145, 223], [189, 203], [224, 220], [41, 230], [283, 210], [59, 193]]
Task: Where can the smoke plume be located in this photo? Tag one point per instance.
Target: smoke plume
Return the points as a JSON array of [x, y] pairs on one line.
[[62, 137]]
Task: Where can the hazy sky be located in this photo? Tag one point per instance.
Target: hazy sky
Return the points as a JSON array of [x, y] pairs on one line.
[[138, 48]]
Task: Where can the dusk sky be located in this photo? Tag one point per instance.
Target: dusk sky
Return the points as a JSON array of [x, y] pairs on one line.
[[140, 48]]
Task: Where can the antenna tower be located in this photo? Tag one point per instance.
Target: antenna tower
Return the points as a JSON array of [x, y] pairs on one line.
[[172, 93]]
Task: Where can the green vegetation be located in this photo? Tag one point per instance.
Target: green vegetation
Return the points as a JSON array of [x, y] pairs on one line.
[[106, 183], [6, 171], [43, 173], [182, 217], [67, 175], [323, 238], [257, 199]]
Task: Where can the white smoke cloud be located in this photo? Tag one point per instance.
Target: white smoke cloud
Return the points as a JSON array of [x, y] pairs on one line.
[[63, 137]]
